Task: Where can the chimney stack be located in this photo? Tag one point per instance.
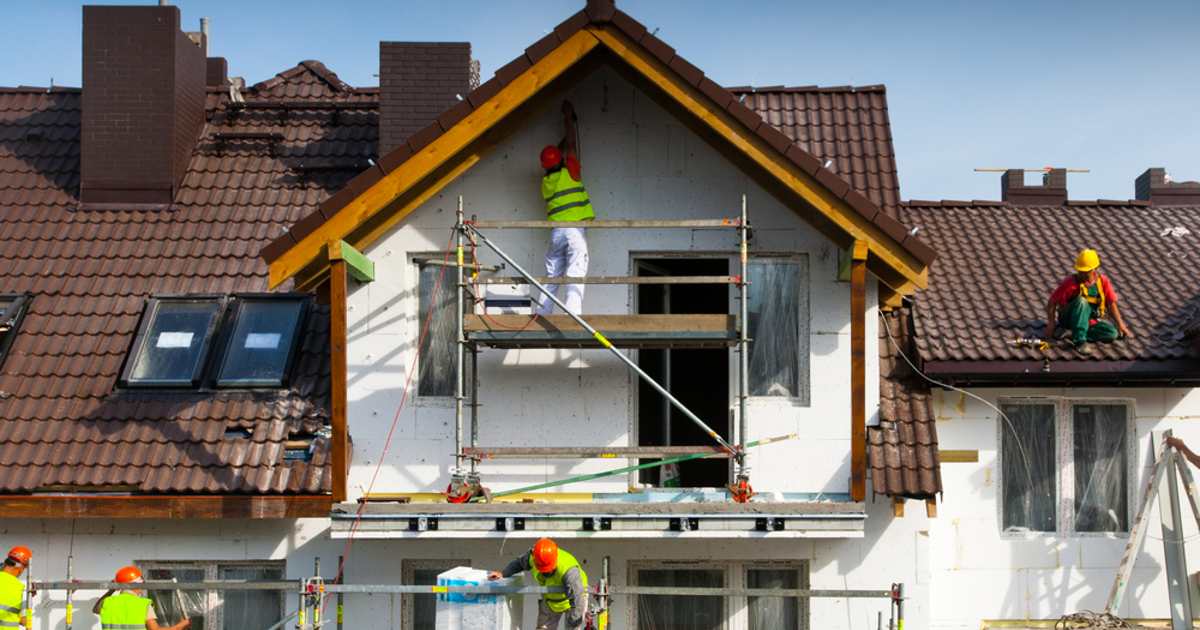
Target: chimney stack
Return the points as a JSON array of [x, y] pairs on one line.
[[143, 104], [1052, 191], [417, 82], [1155, 187]]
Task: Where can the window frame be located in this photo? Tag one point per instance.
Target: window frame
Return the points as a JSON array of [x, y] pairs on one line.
[[736, 576], [149, 314], [21, 302], [799, 566], [803, 333], [1065, 465], [728, 570], [417, 261], [408, 573], [214, 612], [227, 327]]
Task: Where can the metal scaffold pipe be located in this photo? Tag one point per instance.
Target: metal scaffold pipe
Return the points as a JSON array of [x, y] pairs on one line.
[[603, 342], [460, 341], [743, 344]]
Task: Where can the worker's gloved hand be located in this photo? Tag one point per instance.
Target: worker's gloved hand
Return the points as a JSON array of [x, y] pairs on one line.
[[495, 575]]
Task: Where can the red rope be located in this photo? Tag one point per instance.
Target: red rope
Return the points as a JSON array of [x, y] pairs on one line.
[[412, 370]]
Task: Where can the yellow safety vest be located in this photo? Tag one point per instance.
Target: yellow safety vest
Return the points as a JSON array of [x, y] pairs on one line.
[[1095, 300], [566, 199], [558, 602], [124, 611], [12, 595]]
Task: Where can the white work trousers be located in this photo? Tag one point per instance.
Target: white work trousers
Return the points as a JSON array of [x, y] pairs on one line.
[[567, 256]]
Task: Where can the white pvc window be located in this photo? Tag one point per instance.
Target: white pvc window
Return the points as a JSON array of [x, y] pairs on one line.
[[782, 613], [681, 612], [217, 610], [706, 612], [778, 326], [1065, 467]]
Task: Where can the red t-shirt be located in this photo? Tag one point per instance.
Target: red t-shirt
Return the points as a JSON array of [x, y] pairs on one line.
[[1069, 288]]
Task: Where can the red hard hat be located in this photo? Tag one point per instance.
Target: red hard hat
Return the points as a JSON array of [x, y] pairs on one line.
[[20, 555], [126, 575], [545, 555], [551, 156]]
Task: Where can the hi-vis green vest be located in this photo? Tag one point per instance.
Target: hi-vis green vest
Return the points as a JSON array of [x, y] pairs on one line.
[[558, 602], [566, 200], [124, 611], [12, 595]]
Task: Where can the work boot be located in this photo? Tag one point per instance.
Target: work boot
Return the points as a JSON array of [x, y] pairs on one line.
[[1083, 348]]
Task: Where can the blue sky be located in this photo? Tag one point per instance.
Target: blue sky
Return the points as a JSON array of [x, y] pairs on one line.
[[1109, 86]]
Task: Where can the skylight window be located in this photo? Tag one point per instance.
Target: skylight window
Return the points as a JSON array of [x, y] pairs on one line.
[[259, 349], [173, 342], [12, 311]]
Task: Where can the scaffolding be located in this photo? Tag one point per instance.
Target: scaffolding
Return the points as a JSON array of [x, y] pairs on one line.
[[573, 331], [313, 594]]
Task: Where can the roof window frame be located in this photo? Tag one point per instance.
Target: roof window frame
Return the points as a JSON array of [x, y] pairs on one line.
[[149, 315], [226, 336], [21, 302]]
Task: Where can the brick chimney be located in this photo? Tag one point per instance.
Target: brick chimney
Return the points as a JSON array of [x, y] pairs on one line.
[[1154, 186], [143, 104], [418, 81], [216, 71], [1052, 191]]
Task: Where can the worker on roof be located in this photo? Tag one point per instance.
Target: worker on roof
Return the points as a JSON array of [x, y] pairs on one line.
[[551, 566], [12, 589], [130, 609], [566, 200], [1081, 304]]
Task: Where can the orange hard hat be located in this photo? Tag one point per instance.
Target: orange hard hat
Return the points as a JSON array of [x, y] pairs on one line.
[[551, 156], [20, 555], [125, 575], [545, 555]]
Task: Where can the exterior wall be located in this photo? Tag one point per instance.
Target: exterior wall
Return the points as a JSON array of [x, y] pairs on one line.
[[100, 547], [639, 162], [981, 573]]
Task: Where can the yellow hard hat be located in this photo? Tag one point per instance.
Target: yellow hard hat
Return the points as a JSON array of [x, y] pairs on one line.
[[1087, 260]]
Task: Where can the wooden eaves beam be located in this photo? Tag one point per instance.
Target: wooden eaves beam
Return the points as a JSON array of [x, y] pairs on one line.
[[394, 196], [166, 506], [858, 372], [340, 437], [430, 159]]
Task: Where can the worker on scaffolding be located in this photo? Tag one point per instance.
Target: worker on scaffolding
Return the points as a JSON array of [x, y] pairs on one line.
[[130, 609], [566, 200], [1081, 303], [12, 589], [551, 566]]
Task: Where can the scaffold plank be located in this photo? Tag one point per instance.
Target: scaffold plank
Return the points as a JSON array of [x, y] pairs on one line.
[[623, 331], [584, 452], [692, 224], [612, 280]]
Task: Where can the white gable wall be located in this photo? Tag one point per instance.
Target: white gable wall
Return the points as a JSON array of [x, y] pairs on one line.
[[980, 573], [638, 162]]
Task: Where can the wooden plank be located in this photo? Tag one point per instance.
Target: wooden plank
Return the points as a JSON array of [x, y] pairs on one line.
[[694, 224], [604, 323], [432, 157], [963, 456], [803, 184], [931, 508], [359, 266], [337, 357], [166, 506], [612, 280], [858, 372], [599, 452], [898, 507]]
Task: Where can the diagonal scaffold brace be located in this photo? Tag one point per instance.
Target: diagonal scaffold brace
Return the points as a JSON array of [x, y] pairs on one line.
[[603, 341]]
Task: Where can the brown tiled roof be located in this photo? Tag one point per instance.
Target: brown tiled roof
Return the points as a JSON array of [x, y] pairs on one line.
[[600, 12], [903, 450], [846, 125], [1000, 262], [62, 421]]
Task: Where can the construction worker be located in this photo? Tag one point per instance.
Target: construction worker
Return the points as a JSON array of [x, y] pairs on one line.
[[551, 566], [1081, 303], [12, 589], [566, 200], [130, 610]]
